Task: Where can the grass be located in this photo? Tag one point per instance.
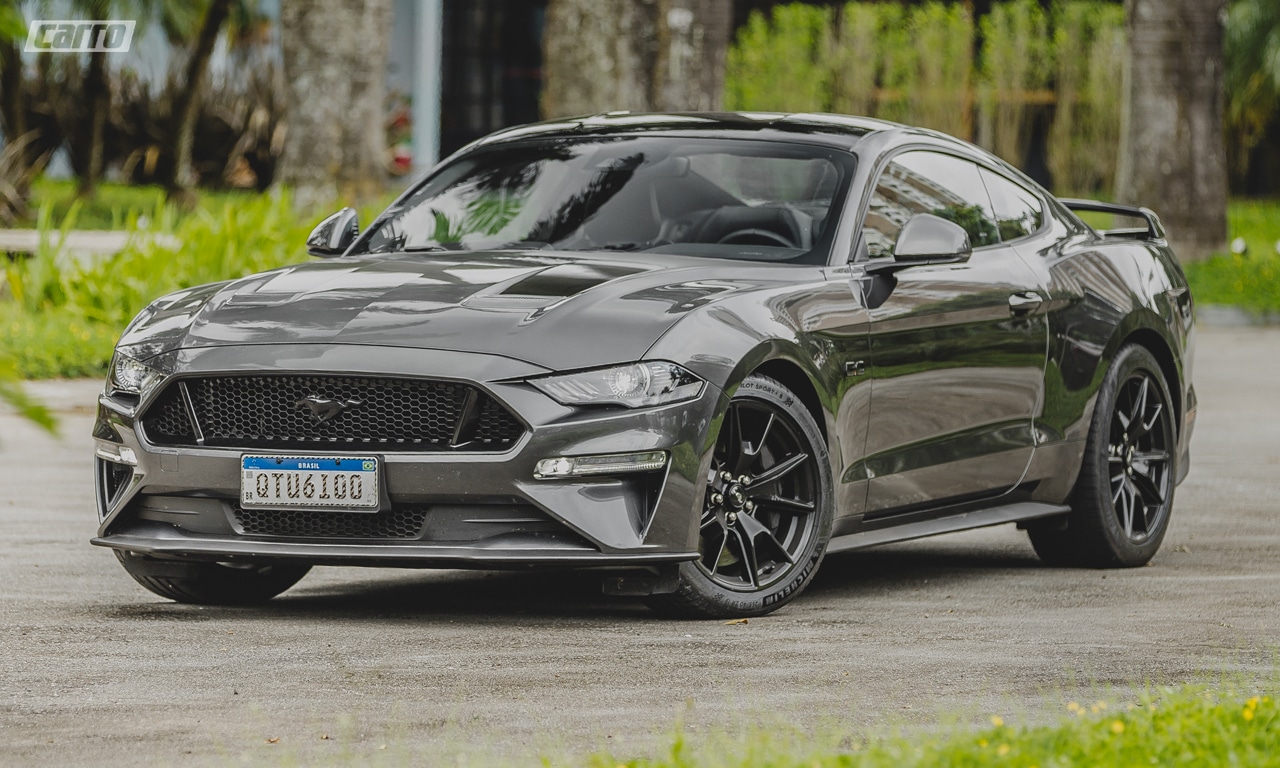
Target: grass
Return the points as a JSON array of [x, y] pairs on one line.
[[1251, 281], [113, 204], [1191, 726]]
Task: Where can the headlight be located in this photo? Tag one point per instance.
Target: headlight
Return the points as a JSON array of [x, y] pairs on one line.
[[129, 375], [634, 386]]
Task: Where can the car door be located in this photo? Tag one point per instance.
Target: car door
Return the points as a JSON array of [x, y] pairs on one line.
[[957, 350]]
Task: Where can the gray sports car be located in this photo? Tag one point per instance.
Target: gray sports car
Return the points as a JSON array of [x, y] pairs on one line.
[[695, 351]]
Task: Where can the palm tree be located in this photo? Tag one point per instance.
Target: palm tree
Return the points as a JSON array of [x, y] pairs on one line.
[[335, 58], [1173, 155], [237, 16], [635, 54]]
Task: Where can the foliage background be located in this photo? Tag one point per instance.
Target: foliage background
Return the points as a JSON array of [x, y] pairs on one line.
[[929, 64]]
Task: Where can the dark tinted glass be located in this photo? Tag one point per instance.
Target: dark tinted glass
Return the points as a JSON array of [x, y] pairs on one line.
[[1018, 212], [711, 197], [928, 182]]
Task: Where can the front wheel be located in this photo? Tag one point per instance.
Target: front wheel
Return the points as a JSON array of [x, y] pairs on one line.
[[767, 515], [1124, 494], [212, 583]]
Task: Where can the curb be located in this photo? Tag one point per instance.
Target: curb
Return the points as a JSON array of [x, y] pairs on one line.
[[66, 395], [1227, 316]]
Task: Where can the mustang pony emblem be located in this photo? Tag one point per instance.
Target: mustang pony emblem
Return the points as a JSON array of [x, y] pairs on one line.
[[323, 409]]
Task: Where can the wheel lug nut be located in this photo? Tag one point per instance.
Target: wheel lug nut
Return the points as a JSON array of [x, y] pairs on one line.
[[749, 506], [726, 476], [732, 518], [717, 498], [744, 480]]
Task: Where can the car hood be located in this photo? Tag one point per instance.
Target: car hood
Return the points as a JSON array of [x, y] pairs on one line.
[[553, 310]]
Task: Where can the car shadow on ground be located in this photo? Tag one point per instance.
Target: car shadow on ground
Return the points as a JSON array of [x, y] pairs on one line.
[[484, 597], [905, 566]]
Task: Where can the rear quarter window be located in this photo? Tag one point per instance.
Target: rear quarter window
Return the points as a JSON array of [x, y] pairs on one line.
[[1019, 212]]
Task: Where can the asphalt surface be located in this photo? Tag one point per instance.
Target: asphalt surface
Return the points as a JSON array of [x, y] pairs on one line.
[[358, 666]]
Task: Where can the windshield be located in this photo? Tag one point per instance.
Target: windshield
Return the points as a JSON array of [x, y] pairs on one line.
[[753, 200]]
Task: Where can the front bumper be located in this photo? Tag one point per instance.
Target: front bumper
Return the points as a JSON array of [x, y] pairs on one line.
[[454, 509]]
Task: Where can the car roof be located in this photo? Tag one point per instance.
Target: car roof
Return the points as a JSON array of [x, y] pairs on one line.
[[835, 130]]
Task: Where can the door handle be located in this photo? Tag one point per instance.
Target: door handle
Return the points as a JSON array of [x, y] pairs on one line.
[[1025, 303]]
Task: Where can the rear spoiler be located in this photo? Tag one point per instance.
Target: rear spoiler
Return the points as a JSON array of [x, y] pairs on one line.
[[1153, 231]]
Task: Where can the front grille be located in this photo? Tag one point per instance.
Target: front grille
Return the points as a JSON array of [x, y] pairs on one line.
[[167, 420], [277, 412], [397, 523]]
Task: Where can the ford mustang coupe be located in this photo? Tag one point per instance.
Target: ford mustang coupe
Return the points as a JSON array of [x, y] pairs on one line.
[[694, 351]]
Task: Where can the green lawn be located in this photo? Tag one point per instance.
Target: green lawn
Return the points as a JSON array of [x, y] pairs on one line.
[[1251, 281], [1171, 727]]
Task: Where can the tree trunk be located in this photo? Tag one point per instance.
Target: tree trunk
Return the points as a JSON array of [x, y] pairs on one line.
[[187, 105], [95, 86], [637, 55], [13, 107], [335, 62], [1173, 156], [693, 40], [98, 92]]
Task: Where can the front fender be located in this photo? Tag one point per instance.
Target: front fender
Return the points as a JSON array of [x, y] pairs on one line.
[[803, 336]]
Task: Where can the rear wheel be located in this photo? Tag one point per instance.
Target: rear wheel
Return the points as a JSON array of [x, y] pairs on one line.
[[1123, 497], [766, 518], [212, 583]]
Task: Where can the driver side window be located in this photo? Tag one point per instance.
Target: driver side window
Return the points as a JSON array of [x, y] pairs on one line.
[[928, 182]]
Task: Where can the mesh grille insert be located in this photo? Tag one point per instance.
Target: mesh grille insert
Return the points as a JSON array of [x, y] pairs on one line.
[[396, 523], [333, 412], [167, 420]]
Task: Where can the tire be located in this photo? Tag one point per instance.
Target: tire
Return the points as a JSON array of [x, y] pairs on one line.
[[761, 540], [1123, 497], [212, 583]]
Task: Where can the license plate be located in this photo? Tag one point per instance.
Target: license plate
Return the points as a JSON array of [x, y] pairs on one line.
[[332, 482]]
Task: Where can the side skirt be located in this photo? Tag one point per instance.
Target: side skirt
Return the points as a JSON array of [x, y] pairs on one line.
[[978, 518]]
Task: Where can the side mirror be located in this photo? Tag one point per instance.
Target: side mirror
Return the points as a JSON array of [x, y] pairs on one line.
[[334, 235], [925, 239], [930, 239]]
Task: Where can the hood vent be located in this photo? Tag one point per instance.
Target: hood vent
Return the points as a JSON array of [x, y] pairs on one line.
[[566, 280]]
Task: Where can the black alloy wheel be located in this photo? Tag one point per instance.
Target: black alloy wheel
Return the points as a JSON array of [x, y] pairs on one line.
[[766, 515], [1124, 494], [1138, 455]]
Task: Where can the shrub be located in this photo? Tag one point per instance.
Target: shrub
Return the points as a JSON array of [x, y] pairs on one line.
[[775, 64], [1084, 138], [1016, 56], [929, 68], [856, 53], [62, 315], [916, 65]]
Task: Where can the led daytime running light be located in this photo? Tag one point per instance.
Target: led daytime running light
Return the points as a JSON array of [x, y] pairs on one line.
[[583, 466]]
